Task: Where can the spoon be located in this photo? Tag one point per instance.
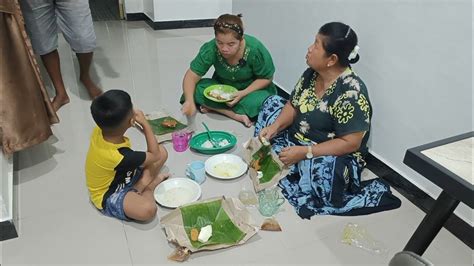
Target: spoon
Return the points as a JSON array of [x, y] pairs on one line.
[[214, 144]]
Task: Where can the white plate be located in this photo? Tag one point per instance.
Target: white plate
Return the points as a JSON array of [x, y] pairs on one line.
[[175, 192], [225, 166]]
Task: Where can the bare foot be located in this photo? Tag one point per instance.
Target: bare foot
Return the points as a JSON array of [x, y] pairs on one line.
[[204, 109], [92, 89], [59, 100], [158, 179], [244, 119]]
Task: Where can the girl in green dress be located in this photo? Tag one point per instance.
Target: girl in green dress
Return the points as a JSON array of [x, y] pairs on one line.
[[240, 61]]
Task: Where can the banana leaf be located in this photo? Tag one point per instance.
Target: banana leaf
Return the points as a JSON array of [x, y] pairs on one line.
[[159, 129], [267, 165], [224, 231], [263, 160]]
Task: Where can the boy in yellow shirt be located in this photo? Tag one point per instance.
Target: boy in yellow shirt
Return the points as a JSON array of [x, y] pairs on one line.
[[121, 181]]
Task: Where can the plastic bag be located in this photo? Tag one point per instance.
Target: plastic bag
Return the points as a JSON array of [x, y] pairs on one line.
[[356, 235], [247, 195]]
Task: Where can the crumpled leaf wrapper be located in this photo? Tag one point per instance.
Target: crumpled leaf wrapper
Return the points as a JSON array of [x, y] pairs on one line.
[[270, 224], [261, 158], [180, 254], [176, 230]]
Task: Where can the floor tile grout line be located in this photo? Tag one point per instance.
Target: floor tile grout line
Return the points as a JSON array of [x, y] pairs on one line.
[[127, 41], [126, 241]]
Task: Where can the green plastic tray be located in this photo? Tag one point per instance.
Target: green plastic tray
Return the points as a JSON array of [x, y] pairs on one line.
[[199, 139], [221, 87]]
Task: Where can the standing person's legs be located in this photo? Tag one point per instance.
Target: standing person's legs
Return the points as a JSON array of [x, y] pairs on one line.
[[85, 61], [52, 64], [75, 21], [42, 29]]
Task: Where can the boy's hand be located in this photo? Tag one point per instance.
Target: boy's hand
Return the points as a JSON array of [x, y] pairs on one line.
[[139, 117]]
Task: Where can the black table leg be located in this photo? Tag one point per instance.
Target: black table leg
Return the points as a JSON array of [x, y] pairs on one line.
[[432, 223]]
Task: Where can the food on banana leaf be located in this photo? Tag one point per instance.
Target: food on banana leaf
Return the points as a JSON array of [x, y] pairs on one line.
[[201, 215], [205, 234], [264, 141], [255, 164], [194, 234], [165, 125], [262, 161], [169, 122]]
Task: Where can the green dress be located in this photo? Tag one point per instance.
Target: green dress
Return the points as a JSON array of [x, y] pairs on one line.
[[258, 65]]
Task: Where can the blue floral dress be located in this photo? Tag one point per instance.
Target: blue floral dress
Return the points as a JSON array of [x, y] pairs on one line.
[[328, 184]]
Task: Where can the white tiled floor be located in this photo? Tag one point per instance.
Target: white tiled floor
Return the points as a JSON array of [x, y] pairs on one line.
[[58, 225]]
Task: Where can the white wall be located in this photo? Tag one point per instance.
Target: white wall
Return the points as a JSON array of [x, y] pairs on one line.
[[173, 10], [134, 6], [6, 187], [149, 9], [416, 59]]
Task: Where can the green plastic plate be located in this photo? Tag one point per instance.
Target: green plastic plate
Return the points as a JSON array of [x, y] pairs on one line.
[[198, 140], [221, 87]]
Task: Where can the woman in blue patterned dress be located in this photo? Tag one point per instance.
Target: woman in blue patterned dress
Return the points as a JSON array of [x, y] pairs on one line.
[[322, 132]]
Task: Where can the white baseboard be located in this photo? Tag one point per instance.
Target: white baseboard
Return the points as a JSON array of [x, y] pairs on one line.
[[6, 187]]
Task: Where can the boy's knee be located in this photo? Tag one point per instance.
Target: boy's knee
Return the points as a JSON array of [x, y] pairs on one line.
[[148, 211], [163, 155]]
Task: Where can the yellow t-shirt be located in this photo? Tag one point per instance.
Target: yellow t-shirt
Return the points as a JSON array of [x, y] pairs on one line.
[[109, 167]]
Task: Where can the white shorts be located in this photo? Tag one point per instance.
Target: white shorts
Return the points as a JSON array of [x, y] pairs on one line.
[[73, 17]]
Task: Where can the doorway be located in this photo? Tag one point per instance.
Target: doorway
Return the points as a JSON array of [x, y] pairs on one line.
[[103, 10]]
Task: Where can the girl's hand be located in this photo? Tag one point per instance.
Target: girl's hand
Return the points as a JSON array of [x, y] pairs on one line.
[[189, 108], [237, 97]]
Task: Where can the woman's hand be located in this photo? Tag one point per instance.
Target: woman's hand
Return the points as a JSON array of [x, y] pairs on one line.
[[268, 132], [237, 97], [189, 108], [293, 154]]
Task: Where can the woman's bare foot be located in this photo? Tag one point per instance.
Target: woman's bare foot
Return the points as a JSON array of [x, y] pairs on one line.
[[158, 179], [92, 89], [204, 109], [59, 100], [244, 119]]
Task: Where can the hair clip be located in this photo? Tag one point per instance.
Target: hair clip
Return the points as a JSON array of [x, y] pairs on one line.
[[234, 27], [347, 33], [354, 52]]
